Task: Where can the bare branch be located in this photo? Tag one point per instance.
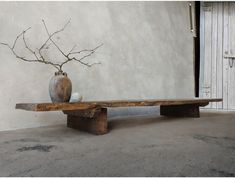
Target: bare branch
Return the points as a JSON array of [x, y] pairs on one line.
[[4, 44], [29, 49], [50, 35], [37, 60], [35, 54], [80, 60], [45, 43], [58, 31], [87, 50], [67, 55], [47, 46], [49, 39], [95, 63], [13, 51], [84, 63], [20, 57], [13, 46], [26, 45], [72, 49], [39, 56]]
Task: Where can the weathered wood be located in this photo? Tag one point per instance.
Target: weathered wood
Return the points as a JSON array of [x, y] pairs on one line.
[[208, 51], [88, 113], [92, 121], [92, 116], [217, 53], [226, 48], [106, 104], [187, 110], [214, 51], [231, 67], [220, 60]]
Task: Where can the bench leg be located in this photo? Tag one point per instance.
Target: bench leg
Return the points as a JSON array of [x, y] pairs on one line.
[[187, 110], [93, 121]]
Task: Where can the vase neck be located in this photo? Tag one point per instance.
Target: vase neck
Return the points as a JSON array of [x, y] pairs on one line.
[[61, 73]]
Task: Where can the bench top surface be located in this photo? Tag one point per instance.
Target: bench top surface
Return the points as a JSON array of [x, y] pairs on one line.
[[113, 103]]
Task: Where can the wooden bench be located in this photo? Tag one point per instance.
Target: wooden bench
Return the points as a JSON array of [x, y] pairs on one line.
[[92, 116]]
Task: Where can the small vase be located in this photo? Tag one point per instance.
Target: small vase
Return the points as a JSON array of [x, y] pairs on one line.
[[60, 87]]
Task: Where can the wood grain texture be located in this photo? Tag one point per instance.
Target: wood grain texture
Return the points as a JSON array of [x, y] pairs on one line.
[[219, 79], [208, 52], [217, 42], [231, 66], [106, 104], [88, 113], [214, 56], [225, 49], [95, 124]]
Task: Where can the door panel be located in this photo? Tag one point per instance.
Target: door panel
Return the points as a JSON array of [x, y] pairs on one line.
[[217, 75], [231, 68], [225, 62]]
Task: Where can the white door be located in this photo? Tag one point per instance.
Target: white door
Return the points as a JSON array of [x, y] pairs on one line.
[[217, 66]]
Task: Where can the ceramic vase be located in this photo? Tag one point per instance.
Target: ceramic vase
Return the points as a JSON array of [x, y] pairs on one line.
[[60, 87]]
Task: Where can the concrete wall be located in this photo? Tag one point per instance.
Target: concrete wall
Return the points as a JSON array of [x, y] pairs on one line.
[[147, 53]]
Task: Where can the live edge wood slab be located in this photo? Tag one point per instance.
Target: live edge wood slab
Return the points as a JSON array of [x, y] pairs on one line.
[[91, 116]]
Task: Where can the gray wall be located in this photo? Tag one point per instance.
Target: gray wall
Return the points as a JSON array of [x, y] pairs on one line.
[[147, 53]]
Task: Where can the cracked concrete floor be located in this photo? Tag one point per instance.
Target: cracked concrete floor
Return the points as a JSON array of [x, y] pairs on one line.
[[135, 146]]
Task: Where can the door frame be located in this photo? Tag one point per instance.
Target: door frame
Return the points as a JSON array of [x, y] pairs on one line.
[[197, 48]]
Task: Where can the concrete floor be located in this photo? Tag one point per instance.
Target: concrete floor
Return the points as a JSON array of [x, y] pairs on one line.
[[135, 146]]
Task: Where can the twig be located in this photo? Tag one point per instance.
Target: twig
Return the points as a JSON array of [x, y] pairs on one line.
[[37, 53], [13, 46], [72, 48], [67, 55], [87, 50], [50, 36]]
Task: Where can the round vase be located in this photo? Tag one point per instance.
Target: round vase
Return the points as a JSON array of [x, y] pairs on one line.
[[60, 88]]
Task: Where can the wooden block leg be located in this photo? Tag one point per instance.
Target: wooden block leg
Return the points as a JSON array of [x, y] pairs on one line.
[[187, 110], [92, 121]]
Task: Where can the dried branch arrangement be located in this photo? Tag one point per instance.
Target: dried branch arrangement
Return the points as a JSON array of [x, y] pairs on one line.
[[38, 54]]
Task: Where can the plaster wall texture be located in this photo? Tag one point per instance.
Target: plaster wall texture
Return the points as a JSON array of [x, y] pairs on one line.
[[147, 53]]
